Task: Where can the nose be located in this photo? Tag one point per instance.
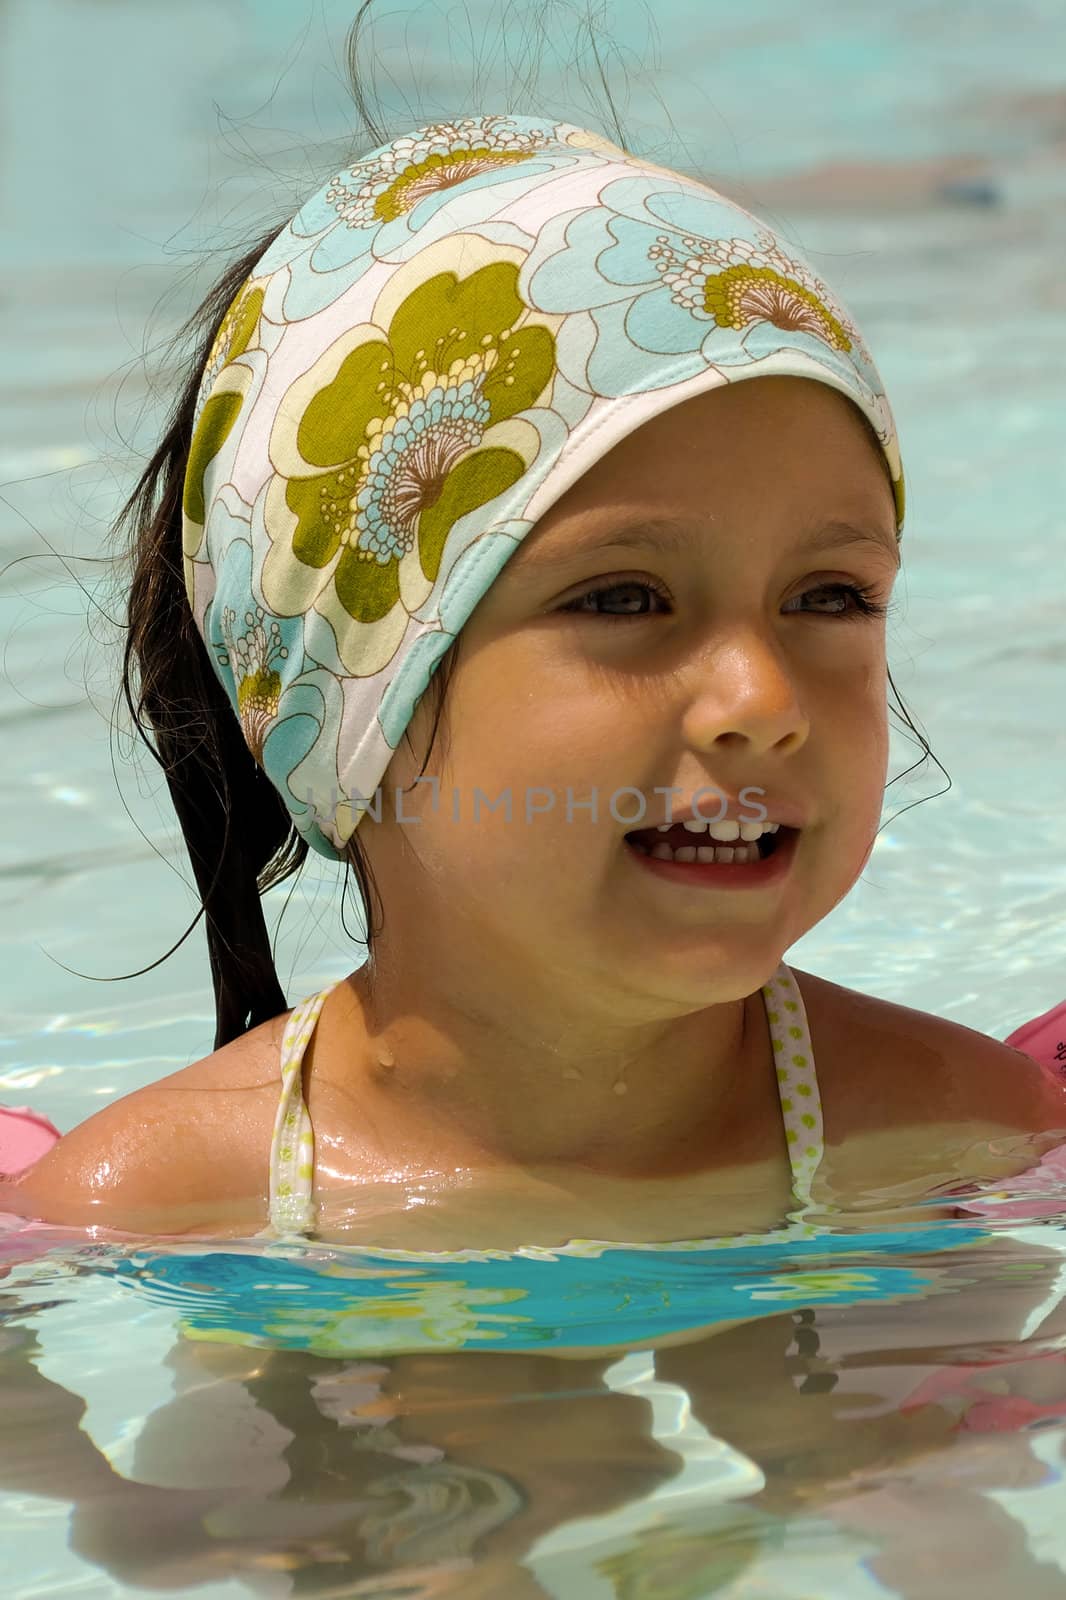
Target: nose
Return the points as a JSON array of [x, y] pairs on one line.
[[745, 694]]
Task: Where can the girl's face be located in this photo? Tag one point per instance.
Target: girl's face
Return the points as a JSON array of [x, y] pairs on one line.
[[725, 651]]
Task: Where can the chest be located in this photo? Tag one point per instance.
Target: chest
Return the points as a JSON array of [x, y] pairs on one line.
[[373, 1195]]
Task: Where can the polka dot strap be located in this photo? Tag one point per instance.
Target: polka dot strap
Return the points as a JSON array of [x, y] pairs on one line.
[[292, 1150], [292, 1153], [801, 1105]]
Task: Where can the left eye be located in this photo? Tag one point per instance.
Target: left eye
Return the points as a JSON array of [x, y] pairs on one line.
[[863, 601]]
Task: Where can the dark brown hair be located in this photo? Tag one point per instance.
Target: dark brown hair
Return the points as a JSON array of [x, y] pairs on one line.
[[240, 838], [238, 833]]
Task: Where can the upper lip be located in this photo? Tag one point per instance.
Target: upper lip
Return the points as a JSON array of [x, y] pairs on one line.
[[707, 809]]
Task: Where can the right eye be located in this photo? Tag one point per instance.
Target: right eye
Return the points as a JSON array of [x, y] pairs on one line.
[[579, 607]]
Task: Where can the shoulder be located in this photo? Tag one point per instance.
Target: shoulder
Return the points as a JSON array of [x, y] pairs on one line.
[[187, 1153], [915, 1077]]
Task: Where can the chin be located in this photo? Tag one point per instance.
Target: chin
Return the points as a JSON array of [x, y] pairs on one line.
[[718, 975]]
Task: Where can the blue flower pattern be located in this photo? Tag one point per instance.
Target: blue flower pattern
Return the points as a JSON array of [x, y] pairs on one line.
[[341, 224], [441, 427], [639, 266]]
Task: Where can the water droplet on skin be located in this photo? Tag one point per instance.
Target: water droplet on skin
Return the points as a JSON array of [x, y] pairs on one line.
[[385, 1056], [572, 1074], [620, 1087]]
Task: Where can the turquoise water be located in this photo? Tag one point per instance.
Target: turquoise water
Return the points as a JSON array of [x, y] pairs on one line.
[[917, 156], [166, 1427]]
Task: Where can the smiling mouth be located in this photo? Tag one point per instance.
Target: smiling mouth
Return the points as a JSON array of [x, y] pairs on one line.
[[678, 843]]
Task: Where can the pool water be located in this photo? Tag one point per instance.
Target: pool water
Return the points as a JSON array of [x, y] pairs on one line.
[[870, 1434], [303, 1419]]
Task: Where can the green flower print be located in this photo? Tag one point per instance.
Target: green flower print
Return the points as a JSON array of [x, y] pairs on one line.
[[253, 656], [732, 283], [410, 169], [394, 434], [223, 390], [430, 1316], [395, 201], [839, 1286]]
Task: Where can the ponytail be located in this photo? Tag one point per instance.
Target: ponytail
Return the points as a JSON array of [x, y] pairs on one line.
[[240, 838]]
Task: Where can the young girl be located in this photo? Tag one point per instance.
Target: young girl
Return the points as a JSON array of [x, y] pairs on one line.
[[524, 537]]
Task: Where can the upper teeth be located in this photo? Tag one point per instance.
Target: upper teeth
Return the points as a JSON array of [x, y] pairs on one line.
[[725, 831]]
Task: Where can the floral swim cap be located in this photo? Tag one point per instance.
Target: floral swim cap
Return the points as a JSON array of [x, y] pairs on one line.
[[426, 358]]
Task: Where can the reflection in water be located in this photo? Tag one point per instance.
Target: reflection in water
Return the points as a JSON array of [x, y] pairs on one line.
[[823, 1434], [822, 1450]]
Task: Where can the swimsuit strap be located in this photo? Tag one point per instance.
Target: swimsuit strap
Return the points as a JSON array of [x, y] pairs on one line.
[[797, 1085], [292, 1151]]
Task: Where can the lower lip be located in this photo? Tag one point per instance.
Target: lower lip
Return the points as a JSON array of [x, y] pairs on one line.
[[761, 874]]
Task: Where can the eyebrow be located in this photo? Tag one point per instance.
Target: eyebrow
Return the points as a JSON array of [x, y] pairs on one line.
[[663, 535]]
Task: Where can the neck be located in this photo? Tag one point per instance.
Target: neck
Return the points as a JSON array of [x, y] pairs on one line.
[[458, 1069]]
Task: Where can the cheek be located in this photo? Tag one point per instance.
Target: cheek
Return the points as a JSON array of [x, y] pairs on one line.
[[527, 731], [548, 763], [859, 705]]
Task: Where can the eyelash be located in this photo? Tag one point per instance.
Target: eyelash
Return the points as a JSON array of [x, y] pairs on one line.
[[864, 598]]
